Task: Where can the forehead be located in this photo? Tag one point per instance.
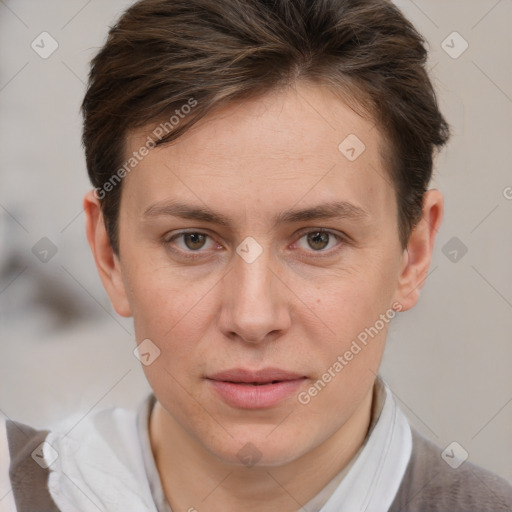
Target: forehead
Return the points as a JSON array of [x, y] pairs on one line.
[[298, 144]]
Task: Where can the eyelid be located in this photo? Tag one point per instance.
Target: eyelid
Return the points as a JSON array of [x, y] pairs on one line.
[[341, 237], [172, 235], [168, 238], [313, 229]]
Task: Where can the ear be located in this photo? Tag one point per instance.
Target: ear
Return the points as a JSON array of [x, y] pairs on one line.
[[107, 262], [418, 255]]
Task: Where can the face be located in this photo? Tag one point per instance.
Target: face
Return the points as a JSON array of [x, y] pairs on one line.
[[253, 242]]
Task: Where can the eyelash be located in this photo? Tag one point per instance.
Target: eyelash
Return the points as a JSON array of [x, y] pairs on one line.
[[190, 254]]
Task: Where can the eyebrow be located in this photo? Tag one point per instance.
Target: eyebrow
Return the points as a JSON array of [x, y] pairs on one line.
[[331, 210]]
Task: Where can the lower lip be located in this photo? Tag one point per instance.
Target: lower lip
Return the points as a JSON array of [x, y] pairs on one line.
[[247, 396]]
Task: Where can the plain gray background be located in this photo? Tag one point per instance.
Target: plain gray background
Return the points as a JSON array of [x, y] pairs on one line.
[[64, 350]]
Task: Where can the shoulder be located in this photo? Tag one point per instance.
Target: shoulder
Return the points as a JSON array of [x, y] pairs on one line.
[[432, 485], [49, 469]]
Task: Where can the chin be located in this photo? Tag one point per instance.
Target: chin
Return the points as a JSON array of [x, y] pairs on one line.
[[255, 447]]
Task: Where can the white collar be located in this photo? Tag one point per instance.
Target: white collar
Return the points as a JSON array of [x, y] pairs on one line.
[[375, 476]]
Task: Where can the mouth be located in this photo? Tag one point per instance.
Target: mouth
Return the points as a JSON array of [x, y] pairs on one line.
[[254, 383], [258, 389], [263, 376]]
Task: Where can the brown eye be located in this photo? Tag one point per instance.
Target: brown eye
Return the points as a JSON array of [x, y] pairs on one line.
[[194, 241], [192, 245], [318, 240]]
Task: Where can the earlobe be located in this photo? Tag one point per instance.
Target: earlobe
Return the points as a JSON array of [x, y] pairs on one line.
[[417, 256], [107, 262]]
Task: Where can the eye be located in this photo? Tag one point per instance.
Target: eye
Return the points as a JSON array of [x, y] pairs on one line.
[[318, 240], [190, 242], [194, 241]]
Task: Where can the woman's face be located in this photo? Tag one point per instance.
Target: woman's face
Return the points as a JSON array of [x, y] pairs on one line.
[[262, 243]]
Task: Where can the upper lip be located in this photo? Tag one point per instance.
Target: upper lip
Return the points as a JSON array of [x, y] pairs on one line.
[[263, 375]]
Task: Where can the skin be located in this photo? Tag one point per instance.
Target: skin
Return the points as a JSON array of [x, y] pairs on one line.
[[297, 306]]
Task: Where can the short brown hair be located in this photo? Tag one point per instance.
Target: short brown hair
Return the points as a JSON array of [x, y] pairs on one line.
[[163, 53]]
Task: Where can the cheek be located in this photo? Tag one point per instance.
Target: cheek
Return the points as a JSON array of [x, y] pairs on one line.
[[355, 312], [179, 316], [347, 360], [175, 318], [346, 304], [162, 297]]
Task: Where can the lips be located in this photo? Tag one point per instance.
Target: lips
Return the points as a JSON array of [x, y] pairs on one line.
[[258, 377], [246, 389]]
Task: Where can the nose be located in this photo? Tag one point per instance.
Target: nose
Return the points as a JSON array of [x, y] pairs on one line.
[[254, 307]]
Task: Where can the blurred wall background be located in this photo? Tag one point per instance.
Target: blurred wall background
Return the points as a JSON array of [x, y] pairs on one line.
[[63, 349]]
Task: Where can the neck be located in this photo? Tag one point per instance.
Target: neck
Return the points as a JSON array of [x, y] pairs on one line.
[[192, 478]]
